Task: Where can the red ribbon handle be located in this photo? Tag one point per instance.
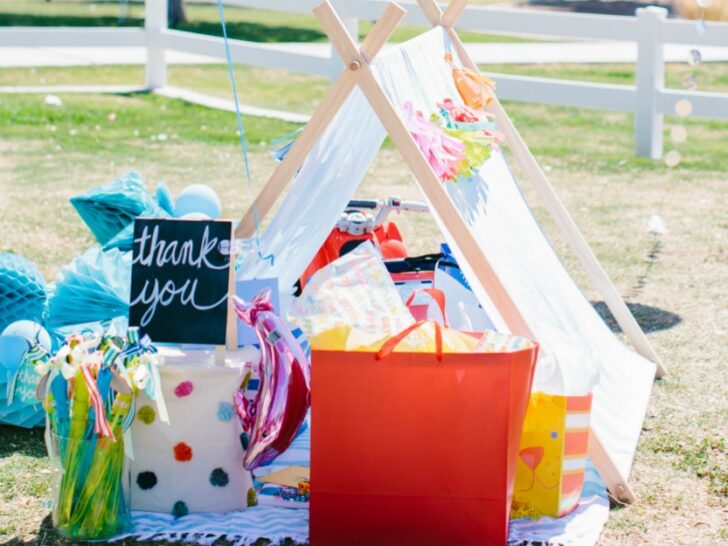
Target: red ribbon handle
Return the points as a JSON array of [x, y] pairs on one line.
[[437, 295], [395, 340]]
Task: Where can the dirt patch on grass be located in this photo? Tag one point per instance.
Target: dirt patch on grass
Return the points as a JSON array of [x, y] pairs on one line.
[[7, 161]]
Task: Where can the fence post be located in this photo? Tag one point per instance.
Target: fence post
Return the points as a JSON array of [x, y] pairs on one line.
[[155, 22], [650, 81]]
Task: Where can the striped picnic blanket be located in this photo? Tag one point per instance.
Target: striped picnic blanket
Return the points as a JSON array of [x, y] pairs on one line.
[[580, 528]]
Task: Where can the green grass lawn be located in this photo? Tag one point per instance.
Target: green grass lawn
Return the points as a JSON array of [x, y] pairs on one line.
[[48, 154], [300, 93], [242, 23]]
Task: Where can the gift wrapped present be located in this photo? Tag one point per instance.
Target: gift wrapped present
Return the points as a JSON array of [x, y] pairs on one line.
[[552, 456], [193, 463], [423, 426]]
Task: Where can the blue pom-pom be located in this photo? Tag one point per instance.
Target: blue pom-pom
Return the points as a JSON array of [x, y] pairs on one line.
[[225, 411], [94, 287], [165, 198], [109, 208]]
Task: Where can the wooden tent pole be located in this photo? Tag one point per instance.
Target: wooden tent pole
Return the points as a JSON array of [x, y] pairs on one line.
[[617, 485], [321, 118], [282, 175], [452, 13], [426, 178], [566, 224], [432, 11]]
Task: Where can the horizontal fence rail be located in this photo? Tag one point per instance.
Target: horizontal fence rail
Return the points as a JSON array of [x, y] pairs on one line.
[[72, 37], [251, 53], [650, 29]]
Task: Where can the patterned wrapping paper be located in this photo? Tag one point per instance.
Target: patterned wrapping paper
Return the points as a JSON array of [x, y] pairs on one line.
[[270, 494], [553, 456], [194, 463], [354, 291]]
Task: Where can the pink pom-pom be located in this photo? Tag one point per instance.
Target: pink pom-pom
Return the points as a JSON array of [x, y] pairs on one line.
[[184, 389]]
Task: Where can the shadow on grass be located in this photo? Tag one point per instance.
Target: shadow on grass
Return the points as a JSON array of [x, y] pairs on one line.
[[22, 441], [45, 536], [650, 319], [242, 30]]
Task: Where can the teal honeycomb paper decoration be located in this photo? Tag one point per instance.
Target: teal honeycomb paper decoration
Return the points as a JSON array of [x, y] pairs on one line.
[[23, 290], [109, 208]]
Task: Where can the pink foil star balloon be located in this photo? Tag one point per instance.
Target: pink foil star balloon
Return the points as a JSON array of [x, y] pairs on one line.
[[284, 396]]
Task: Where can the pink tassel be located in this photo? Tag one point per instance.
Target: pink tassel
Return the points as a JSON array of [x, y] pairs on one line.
[[444, 153]]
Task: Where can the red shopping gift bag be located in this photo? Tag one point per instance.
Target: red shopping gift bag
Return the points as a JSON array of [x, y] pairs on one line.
[[415, 448]]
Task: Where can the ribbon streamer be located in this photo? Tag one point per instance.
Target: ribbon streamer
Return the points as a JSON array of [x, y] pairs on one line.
[[35, 353], [101, 424], [146, 376], [241, 131]]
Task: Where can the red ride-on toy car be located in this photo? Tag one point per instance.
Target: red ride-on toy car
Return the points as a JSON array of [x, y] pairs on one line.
[[364, 220]]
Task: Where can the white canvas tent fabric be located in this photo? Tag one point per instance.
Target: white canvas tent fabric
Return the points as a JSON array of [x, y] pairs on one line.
[[578, 349]]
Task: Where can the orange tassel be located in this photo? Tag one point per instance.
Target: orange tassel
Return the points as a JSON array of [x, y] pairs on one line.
[[475, 90]]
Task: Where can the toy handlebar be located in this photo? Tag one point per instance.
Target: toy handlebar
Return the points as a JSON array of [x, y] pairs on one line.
[[396, 203], [364, 204], [382, 208], [393, 203]]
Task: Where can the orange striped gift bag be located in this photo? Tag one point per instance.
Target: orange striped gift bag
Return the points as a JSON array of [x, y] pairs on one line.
[[552, 456]]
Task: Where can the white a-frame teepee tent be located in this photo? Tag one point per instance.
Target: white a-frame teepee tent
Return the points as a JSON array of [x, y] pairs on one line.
[[510, 264]]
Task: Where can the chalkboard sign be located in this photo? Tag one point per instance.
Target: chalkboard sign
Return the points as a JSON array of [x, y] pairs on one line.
[[180, 280]]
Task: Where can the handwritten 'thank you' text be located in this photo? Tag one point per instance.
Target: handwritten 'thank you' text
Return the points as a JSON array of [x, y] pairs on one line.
[[185, 256]]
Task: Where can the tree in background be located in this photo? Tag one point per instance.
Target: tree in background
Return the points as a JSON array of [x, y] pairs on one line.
[[176, 12]]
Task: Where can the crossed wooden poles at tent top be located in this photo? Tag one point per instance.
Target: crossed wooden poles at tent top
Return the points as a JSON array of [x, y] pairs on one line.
[[358, 72]]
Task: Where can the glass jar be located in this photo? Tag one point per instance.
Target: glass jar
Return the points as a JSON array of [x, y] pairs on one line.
[[90, 501]]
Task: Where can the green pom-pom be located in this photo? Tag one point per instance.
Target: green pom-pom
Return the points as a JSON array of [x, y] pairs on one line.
[[146, 415], [252, 498], [180, 509]]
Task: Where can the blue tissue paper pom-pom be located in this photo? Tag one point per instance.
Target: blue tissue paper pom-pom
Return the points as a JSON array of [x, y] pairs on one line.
[[165, 198], [109, 208], [94, 287], [23, 290]]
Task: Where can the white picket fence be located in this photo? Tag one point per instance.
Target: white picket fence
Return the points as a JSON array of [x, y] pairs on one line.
[[650, 28]]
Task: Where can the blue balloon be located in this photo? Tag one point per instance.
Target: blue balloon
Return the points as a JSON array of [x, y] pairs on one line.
[[195, 216], [12, 349], [32, 331], [198, 198], [22, 412]]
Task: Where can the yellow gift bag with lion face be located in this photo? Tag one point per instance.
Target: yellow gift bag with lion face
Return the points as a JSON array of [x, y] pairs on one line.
[[552, 456]]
